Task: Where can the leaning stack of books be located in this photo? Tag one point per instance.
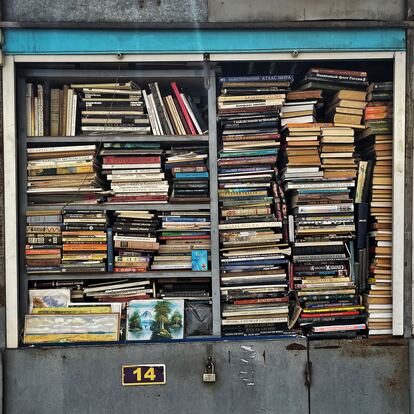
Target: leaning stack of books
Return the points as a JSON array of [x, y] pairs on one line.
[[185, 241], [334, 80], [84, 241], [337, 145], [134, 240], [346, 107], [43, 241], [135, 173], [112, 108], [173, 114], [68, 174], [375, 144], [188, 174]]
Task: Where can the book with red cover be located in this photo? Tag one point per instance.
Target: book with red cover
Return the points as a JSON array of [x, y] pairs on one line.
[[183, 108]]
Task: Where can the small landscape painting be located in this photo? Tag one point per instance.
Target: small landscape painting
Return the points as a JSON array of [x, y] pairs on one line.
[[155, 320]]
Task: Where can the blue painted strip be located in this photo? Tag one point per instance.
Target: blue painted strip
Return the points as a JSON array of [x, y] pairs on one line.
[[54, 41]]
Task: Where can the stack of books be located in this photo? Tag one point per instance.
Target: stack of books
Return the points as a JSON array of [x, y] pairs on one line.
[[346, 107], [334, 80], [187, 289], [173, 114], [300, 151], [376, 145], [119, 291], [134, 240], [298, 112], [188, 174], [185, 241], [135, 173], [253, 262], [84, 241], [35, 110], [337, 146], [323, 222], [68, 174], [43, 241], [112, 108]]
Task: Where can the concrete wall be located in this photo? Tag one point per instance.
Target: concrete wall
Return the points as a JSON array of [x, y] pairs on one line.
[[156, 11]]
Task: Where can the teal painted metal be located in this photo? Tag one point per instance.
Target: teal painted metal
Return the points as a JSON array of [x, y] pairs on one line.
[[54, 41]]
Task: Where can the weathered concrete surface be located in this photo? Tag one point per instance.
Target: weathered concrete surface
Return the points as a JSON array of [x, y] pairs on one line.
[[360, 376], [252, 377], [105, 11], [304, 10]]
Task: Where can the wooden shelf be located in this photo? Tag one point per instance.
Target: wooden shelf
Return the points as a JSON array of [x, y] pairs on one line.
[[144, 275], [122, 206], [98, 138]]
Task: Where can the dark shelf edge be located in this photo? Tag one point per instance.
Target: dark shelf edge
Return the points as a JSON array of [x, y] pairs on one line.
[[119, 138], [143, 275], [129, 207]]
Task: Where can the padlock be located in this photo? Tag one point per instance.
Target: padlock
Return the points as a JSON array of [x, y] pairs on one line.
[[209, 374]]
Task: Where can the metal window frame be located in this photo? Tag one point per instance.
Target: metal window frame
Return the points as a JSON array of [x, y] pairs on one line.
[[10, 153]]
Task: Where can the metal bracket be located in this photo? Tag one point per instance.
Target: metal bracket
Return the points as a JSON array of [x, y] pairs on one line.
[[206, 70]]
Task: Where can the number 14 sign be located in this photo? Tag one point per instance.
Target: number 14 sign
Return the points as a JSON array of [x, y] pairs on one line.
[[146, 374]]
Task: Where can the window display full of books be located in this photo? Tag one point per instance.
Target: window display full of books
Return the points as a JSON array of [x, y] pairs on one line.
[[122, 213]]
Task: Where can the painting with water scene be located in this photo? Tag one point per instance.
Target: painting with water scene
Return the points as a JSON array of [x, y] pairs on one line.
[[155, 320]]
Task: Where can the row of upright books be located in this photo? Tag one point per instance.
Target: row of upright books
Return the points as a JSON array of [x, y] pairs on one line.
[[121, 107], [117, 173], [88, 241]]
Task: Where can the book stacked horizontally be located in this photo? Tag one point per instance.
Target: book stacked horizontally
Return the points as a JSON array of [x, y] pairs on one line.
[[135, 173], [376, 144], [337, 146], [184, 241], [346, 107], [68, 174], [119, 291], [134, 240], [188, 174], [43, 241], [84, 241], [333, 80], [112, 108], [173, 114]]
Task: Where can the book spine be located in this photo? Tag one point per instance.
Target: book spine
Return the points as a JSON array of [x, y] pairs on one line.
[[29, 99], [159, 109], [191, 113], [164, 110], [157, 116], [261, 78], [183, 108], [54, 112], [40, 114]]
